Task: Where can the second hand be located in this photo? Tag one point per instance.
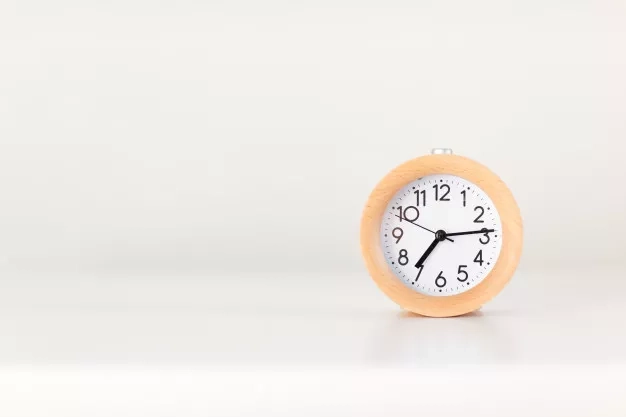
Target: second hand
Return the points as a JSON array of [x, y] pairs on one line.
[[425, 228]]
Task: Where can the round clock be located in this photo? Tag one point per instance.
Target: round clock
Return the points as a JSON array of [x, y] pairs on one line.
[[441, 235]]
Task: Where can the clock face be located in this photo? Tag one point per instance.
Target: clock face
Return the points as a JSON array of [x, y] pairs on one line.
[[441, 235]]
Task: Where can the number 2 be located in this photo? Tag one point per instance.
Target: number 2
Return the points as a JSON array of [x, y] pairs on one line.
[[482, 211]]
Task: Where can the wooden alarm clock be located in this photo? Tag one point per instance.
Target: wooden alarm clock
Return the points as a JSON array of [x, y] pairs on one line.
[[441, 234]]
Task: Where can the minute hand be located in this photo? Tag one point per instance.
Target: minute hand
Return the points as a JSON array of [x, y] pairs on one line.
[[473, 232]]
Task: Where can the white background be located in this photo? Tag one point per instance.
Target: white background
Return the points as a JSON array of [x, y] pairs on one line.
[[181, 185], [220, 135]]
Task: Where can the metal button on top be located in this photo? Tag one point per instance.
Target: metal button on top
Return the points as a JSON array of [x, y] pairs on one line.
[[441, 151]]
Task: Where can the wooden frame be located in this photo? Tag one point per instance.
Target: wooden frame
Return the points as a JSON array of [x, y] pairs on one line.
[[492, 284]]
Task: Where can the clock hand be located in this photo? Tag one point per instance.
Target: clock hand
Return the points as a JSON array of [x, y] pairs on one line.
[[482, 231], [440, 236], [425, 228], [428, 251]]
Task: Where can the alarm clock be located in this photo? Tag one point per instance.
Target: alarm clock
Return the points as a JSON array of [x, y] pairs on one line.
[[441, 234]]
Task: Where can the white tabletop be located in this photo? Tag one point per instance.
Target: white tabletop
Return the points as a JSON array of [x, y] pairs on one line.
[[171, 343]]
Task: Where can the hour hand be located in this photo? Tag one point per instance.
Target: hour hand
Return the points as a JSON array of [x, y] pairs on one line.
[[471, 232], [440, 236], [428, 252]]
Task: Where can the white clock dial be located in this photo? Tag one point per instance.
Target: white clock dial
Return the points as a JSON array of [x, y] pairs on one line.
[[441, 235]]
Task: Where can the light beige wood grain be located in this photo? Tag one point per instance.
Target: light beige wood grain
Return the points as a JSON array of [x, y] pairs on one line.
[[492, 284]]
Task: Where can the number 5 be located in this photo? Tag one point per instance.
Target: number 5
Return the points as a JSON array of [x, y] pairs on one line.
[[462, 271]]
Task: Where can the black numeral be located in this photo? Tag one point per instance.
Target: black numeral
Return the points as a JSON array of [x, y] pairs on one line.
[[479, 257], [440, 281], [444, 196], [419, 272], [410, 213], [462, 271], [485, 235], [417, 195], [397, 233], [464, 197], [482, 211], [403, 259]]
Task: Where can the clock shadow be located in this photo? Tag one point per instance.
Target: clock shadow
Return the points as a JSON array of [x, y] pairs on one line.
[[411, 340], [410, 315]]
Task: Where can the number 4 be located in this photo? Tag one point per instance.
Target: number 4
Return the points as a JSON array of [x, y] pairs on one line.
[[479, 257]]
